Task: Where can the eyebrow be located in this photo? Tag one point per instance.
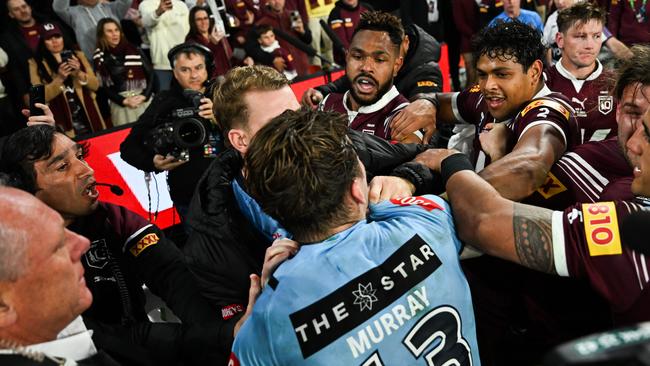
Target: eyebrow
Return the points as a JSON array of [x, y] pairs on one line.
[[374, 53], [61, 156]]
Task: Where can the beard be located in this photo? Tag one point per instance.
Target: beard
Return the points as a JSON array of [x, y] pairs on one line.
[[381, 90]]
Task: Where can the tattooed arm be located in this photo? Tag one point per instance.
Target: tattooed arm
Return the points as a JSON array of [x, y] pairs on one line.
[[500, 227]]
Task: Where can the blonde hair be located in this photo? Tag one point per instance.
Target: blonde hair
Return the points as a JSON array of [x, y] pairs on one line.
[[230, 108]]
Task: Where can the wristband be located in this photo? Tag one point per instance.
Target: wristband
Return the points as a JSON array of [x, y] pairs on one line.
[[454, 164]]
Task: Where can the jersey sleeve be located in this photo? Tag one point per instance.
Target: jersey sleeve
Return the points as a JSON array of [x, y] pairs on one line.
[[252, 343], [546, 111], [587, 244], [464, 105]]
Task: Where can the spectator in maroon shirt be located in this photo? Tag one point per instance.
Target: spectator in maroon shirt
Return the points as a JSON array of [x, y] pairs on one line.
[[203, 31], [466, 20], [629, 21], [343, 20], [279, 17]]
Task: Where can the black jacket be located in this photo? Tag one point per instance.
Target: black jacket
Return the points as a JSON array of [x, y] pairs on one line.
[[419, 74], [125, 253], [183, 179], [224, 248]]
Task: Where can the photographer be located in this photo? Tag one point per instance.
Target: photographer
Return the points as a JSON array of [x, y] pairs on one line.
[[152, 149]]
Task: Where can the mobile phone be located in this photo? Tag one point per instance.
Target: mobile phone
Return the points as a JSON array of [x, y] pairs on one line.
[[36, 95], [295, 16], [66, 55]]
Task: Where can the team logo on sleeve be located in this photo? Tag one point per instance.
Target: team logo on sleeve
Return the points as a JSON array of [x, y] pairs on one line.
[[605, 104], [551, 186], [144, 243], [475, 89], [601, 228], [426, 83], [556, 106], [423, 202]]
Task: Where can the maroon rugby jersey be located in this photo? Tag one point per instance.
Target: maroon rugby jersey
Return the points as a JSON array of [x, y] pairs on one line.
[[587, 244], [594, 106], [373, 119], [585, 175], [546, 107]]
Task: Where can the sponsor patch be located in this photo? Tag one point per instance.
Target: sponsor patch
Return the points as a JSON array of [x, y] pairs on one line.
[[475, 89], [601, 228], [144, 243], [556, 106], [426, 83], [328, 319], [241, 4], [231, 310], [551, 186], [425, 203], [336, 25]]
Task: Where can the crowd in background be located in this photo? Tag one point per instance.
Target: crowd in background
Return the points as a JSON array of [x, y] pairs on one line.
[[125, 60]]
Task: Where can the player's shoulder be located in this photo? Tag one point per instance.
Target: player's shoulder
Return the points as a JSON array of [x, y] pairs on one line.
[[552, 103]]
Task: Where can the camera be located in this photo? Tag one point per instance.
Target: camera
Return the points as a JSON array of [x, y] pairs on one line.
[[181, 130]]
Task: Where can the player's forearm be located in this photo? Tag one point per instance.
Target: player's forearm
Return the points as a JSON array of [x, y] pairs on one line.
[[445, 112], [517, 175], [483, 218]]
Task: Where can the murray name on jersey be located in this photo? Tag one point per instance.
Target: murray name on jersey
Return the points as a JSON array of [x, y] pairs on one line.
[[326, 320]]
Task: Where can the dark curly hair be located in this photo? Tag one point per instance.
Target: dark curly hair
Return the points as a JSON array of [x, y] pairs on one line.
[[510, 40], [299, 168], [382, 22], [22, 150], [581, 12]]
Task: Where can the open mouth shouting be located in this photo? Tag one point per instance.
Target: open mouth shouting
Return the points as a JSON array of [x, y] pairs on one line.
[[365, 84], [90, 191]]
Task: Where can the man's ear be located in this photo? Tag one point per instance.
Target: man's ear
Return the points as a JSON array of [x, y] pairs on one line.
[[535, 70], [559, 39], [398, 65], [8, 314], [238, 140], [357, 193]]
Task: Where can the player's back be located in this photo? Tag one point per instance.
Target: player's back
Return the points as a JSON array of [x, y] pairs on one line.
[[384, 292]]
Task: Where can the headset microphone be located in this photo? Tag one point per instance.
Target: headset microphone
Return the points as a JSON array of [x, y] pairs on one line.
[[115, 189]]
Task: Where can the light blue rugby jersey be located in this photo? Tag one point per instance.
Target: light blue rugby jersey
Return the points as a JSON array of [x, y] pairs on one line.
[[387, 291]]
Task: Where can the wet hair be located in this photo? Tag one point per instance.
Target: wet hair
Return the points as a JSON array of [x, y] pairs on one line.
[[24, 148], [510, 40], [382, 22], [300, 167], [580, 13], [633, 70], [230, 108]]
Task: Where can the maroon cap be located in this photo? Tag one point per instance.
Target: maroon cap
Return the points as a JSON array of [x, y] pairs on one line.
[[48, 30]]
